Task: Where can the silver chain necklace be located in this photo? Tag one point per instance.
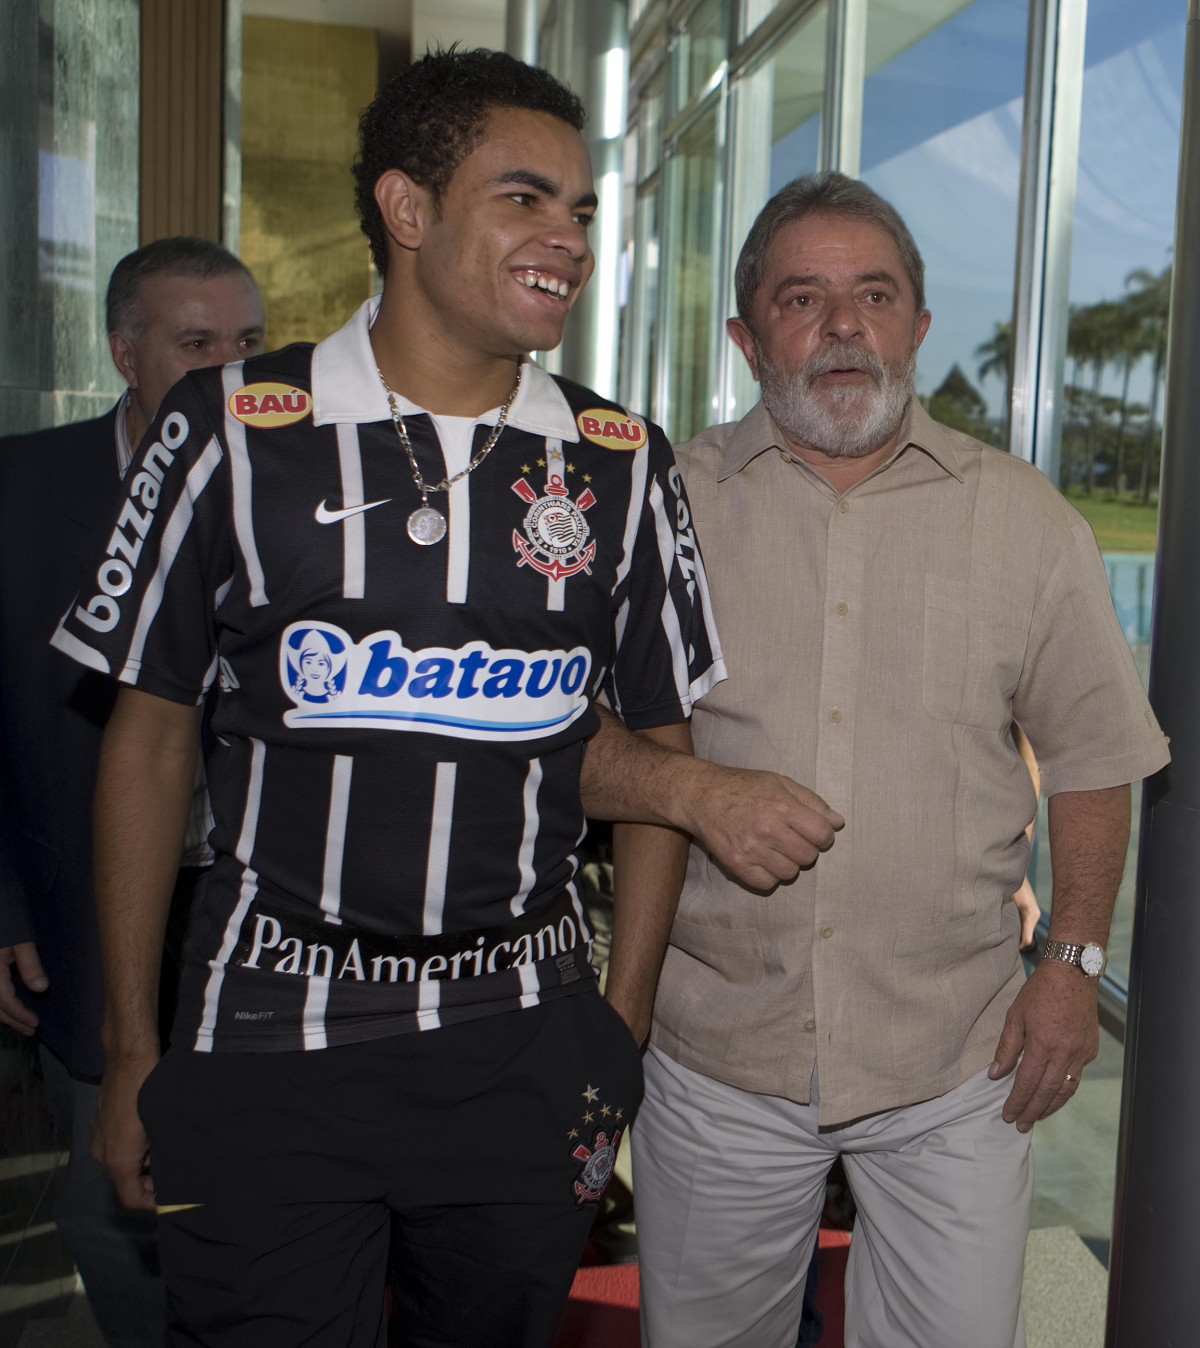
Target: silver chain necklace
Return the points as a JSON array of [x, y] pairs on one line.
[[427, 525]]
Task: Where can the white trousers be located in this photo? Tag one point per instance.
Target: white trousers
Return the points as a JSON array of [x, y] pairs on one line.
[[729, 1191]]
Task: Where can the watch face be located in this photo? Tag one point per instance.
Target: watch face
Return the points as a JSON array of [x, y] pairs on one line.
[[1091, 961]]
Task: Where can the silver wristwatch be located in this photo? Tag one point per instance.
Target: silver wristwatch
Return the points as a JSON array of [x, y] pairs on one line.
[[1090, 959]]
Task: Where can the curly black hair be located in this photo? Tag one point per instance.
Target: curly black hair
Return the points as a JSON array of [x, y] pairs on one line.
[[427, 120]]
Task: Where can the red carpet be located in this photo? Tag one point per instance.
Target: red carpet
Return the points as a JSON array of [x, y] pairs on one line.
[[602, 1312]]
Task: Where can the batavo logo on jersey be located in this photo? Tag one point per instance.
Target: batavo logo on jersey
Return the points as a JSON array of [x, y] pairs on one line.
[[473, 692], [268, 406], [610, 428]]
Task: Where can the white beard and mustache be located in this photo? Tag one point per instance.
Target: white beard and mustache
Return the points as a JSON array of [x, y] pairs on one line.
[[844, 421]]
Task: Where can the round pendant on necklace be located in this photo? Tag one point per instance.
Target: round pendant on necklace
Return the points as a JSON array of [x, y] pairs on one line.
[[426, 526]]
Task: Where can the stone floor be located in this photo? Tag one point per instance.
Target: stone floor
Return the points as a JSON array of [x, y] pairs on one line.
[[73, 1329], [1064, 1292]]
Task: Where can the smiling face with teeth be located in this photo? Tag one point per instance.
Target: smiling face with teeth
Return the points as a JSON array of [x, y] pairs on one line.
[[502, 256]]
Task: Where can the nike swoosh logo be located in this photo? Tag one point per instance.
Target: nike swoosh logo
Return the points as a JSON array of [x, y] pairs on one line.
[[324, 516]]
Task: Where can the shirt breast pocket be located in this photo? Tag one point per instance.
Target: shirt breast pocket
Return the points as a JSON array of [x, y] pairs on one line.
[[973, 646]]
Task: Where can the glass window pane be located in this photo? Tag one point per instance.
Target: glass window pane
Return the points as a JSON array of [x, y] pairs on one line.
[[643, 363], [69, 204], [650, 131], [943, 104], [753, 13], [699, 47], [1074, 1154], [636, 9], [693, 228], [777, 105], [1121, 240], [628, 259]]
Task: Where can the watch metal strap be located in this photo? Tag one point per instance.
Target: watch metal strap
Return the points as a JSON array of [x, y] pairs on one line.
[[1063, 950]]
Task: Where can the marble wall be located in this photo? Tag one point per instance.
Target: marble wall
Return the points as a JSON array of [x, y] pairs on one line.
[[303, 87], [68, 206]]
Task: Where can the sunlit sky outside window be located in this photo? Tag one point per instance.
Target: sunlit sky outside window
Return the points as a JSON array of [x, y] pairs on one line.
[[942, 140]]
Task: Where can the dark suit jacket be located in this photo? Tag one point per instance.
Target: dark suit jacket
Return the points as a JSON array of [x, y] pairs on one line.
[[59, 492]]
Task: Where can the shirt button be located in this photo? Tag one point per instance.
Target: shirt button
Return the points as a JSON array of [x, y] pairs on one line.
[[836, 716], [842, 609], [810, 1024], [844, 507], [826, 932]]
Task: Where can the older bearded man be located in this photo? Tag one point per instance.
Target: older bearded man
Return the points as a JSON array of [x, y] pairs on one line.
[[896, 599]]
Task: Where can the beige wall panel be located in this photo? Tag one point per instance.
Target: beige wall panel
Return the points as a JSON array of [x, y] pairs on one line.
[[181, 94], [303, 87]]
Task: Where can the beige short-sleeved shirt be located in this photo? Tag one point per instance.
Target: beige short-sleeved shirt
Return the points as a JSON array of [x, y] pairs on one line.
[[880, 644]]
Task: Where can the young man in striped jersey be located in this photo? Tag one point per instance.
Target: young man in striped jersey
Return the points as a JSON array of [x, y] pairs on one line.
[[411, 560]]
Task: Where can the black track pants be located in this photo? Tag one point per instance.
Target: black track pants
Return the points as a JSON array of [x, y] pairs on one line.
[[278, 1176]]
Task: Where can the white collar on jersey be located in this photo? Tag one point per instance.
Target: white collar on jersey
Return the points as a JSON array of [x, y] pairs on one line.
[[346, 387]]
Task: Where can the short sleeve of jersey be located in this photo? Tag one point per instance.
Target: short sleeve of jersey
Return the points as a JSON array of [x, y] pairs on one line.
[[145, 613], [667, 653]]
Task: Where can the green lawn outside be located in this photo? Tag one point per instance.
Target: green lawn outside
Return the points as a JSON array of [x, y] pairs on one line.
[[1119, 526]]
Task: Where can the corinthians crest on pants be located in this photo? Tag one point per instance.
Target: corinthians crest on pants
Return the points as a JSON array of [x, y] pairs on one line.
[[556, 534], [605, 1124], [598, 1162]]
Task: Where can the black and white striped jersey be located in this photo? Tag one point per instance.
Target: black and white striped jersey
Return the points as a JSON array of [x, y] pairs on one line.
[[397, 796]]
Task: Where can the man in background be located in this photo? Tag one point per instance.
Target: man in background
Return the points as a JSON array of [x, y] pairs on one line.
[[174, 305]]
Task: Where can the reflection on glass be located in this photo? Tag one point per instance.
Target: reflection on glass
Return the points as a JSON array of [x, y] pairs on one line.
[[628, 257], [754, 12], [1121, 241], [693, 230], [69, 207], [554, 40], [778, 123], [1121, 267], [644, 358], [1073, 1182], [650, 131], [700, 45], [636, 9], [941, 140]]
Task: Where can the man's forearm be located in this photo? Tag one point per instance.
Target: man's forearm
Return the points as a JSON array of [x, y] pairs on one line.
[[143, 795], [1089, 837], [633, 777], [761, 827], [1051, 1028], [648, 866]]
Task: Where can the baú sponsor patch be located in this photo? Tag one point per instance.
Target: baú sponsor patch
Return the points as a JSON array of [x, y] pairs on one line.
[[610, 428], [268, 406]]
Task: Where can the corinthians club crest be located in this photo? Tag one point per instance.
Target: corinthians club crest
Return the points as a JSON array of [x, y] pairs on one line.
[[556, 534], [598, 1163]]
